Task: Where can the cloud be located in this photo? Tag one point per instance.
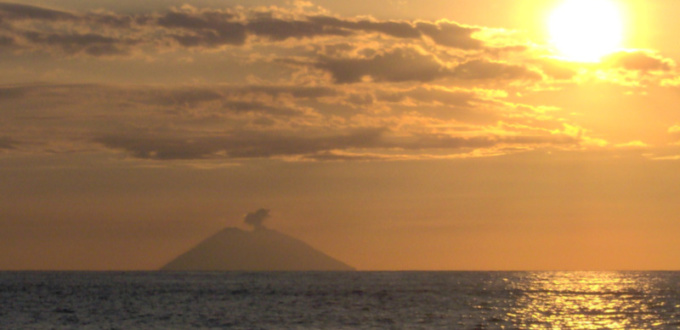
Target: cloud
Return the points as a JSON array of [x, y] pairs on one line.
[[489, 70], [209, 123], [13, 11], [93, 34], [110, 34], [10, 92], [6, 41], [262, 103], [256, 218], [335, 155], [400, 64], [188, 17], [192, 96], [246, 145], [442, 141], [209, 28], [278, 29], [324, 89], [239, 145], [640, 61], [451, 34], [411, 64], [7, 143], [87, 43], [397, 29], [300, 92]]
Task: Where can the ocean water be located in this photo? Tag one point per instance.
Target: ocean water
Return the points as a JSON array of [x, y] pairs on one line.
[[346, 300]]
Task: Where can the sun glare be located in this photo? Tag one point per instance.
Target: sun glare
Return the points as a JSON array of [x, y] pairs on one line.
[[586, 30]]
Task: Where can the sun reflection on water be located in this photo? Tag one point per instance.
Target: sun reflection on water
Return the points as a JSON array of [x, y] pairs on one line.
[[584, 300]]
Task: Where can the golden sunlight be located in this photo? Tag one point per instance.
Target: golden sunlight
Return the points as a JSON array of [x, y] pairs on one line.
[[586, 30]]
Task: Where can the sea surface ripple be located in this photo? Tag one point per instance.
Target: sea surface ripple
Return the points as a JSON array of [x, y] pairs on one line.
[[340, 300]]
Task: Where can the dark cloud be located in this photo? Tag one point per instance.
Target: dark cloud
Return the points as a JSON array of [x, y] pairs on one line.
[[271, 99], [116, 21], [256, 218], [408, 64], [188, 96], [17, 11], [483, 69], [279, 30], [211, 28], [93, 33], [321, 147], [107, 34], [223, 25], [330, 156], [14, 12], [209, 20], [89, 43], [391, 28], [421, 95], [259, 107], [11, 92], [234, 35], [235, 99], [444, 142], [443, 103], [267, 121], [6, 41], [400, 64], [161, 148], [451, 34], [193, 94], [204, 28], [7, 143], [244, 144], [640, 61], [301, 92]]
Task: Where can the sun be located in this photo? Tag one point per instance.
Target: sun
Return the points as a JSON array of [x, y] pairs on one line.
[[586, 30]]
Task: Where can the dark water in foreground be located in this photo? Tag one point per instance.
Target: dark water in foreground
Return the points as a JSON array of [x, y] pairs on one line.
[[401, 300]]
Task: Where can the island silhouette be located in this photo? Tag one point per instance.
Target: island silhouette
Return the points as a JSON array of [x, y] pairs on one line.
[[262, 249]]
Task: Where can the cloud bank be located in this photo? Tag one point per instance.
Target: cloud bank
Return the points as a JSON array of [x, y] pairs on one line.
[[334, 89]]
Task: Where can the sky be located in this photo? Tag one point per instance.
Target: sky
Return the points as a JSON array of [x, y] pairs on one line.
[[390, 134]]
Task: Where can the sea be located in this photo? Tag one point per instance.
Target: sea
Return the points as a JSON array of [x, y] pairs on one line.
[[340, 300]]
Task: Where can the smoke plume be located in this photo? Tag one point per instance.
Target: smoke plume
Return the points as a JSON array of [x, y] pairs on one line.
[[256, 218]]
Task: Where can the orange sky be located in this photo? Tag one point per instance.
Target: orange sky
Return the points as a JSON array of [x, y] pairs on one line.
[[393, 135]]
